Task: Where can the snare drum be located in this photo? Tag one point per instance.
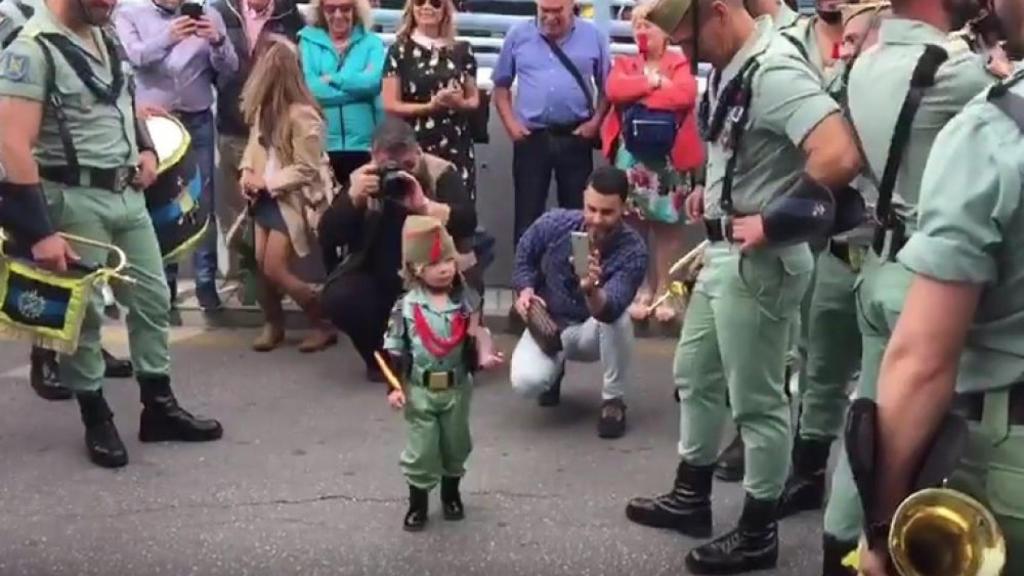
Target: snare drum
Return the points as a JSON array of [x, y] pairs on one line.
[[173, 200]]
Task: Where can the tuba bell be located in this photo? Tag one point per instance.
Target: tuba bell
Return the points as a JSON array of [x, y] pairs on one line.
[[944, 532]]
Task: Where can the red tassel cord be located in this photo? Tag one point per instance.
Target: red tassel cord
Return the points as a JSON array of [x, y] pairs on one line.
[[439, 347]]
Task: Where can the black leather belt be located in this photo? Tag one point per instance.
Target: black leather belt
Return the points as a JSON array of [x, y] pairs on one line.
[[113, 179], [972, 405], [716, 230]]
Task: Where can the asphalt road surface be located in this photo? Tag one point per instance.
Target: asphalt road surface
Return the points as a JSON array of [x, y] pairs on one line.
[[306, 479]]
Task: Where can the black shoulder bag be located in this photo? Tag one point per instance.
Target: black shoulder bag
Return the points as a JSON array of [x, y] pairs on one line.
[[576, 75]]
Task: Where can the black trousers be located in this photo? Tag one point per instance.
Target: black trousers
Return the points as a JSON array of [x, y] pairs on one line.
[[534, 158], [359, 305]]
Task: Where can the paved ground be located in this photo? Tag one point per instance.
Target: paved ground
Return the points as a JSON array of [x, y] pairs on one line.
[[306, 479]]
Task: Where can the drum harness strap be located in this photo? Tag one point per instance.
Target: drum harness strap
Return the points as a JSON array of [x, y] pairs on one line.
[[27, 12], [1007, 102], [107, 95], [921, 79], [733, 101]]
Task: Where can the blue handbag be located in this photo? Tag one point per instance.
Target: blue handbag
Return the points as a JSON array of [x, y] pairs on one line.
[[649, 134]]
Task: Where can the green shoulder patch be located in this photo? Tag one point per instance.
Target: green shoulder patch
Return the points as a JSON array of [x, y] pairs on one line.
[[13, 67]]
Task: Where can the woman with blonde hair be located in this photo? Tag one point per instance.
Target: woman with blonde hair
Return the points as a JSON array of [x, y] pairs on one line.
[[286, 179], [430, 80], [343, 61], [651, 133]]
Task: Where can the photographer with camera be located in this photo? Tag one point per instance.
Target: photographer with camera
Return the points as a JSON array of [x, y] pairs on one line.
[[363, 231]]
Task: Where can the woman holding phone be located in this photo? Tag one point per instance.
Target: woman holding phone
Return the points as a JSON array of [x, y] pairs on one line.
[[654, 88], [430, 80]]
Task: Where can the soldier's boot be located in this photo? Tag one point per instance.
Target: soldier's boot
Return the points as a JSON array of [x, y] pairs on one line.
[[101, 437], [451, 499], [44, 375], [834, 551], [116, 367], [163, 419], [416, 517], [729, 467], [753, 545], [805, 487], [686, 508]]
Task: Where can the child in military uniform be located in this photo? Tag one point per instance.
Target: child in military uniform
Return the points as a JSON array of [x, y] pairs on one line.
[[438, 347]]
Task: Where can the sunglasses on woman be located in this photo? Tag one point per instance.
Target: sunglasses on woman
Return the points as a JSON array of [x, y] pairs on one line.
[[436, 4], [338, 8]]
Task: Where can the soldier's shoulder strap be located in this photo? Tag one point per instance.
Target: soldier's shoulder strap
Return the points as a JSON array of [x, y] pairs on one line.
[[1009, 103], [790, 32], [922, 78], [52, 95], [26, 12]]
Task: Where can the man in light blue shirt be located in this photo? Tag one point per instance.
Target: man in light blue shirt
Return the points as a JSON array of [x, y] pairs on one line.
[[177, 58], [555, 117]]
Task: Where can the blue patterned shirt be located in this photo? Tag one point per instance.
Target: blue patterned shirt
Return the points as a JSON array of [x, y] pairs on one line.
[[543, 263]]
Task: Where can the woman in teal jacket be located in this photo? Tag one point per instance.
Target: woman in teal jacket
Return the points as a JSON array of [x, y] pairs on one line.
[[343, 62]]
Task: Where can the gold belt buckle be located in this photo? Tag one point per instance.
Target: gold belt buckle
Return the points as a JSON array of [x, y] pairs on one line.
[[437, 381]]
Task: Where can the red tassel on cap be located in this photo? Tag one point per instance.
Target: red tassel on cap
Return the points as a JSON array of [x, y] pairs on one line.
[[435, 249]]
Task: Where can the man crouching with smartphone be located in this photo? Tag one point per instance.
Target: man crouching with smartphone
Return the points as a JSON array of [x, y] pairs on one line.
[[575, 311]]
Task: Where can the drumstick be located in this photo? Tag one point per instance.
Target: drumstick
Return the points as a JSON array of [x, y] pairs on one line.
[[690, 257], [388, 374]]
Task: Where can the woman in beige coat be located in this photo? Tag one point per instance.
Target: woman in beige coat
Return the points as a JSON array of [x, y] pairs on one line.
[[286, 179]]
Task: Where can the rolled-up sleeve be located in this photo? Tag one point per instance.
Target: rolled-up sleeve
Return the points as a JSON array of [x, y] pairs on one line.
[[789, 99], [526, 270], [505, 69], [963, 211]]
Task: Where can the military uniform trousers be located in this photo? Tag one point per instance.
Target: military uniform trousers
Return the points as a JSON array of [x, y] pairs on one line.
[[833, 349], [438, 441], [120, 219], [992, 471], [881, 290], [734, 340]]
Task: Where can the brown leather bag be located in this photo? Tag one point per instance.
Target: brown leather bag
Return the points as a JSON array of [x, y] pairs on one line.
[[544, 329]]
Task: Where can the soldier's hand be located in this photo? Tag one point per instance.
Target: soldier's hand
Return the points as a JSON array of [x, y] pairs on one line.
[[182, 27], [396, 399], [871, 562], [146, 175], [695, 204], [749, 232], [53, 253]]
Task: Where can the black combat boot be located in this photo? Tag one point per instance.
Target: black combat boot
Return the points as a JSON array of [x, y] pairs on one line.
[[753, 545], [729, 467], [687, 508], [163, 420], [451, 500], [44, 375], [805, 487], [115, 367], [833, 552], [416, 517], [101, 438]]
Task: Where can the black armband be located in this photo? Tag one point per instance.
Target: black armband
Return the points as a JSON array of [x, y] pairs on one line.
[[805, 211], [23, 213], [143, 140]]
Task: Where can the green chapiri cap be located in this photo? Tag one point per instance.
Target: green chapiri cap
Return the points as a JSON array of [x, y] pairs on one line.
[[667, 14]]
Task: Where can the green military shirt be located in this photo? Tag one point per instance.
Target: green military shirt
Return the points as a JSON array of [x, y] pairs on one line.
[[971, 230], [787, 103], [402, 337], [12, 18], [802, 33], [103, 135], [785, 17], [878, 84]]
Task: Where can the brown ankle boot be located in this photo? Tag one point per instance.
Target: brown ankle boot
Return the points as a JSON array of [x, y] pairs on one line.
[[324, 335], [270, 338]]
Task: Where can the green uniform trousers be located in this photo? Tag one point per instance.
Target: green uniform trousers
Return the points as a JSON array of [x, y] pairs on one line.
[[734, 339], [881, 290], [438, 442], [833, 349], [123, 221], [992, 471]]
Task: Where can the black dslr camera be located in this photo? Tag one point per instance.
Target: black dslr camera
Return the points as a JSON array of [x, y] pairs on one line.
[[393, 184]]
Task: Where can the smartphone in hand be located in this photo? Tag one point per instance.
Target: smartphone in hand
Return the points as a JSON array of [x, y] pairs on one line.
[[193, 10], [580, 252]]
